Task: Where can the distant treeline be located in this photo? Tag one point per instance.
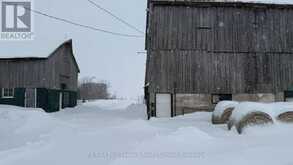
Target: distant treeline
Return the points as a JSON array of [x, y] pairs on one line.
[[88, 89]]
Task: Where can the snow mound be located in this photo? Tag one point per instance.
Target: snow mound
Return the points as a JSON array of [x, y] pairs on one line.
[[109, 104], [222, 106], [137, 111], [90, 135], [21, 126]]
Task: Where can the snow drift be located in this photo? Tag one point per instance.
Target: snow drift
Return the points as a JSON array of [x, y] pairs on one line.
[[110, 133], [20, 126]]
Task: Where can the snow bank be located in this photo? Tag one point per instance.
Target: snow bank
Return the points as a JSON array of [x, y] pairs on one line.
[[109, 104], [90, 135], [222, 106], [20, 126], [137, 111]]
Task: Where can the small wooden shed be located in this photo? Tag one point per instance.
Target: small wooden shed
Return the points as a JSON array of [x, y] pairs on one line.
[[201, 52], [48, 82]]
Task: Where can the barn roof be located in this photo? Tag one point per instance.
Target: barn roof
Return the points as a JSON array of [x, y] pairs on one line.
[[32, 52]]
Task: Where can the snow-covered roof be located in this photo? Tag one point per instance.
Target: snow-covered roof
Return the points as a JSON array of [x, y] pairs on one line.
[[239, 1], [30, 49]]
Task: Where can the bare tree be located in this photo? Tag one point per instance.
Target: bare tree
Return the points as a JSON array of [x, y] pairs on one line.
[[89, 89]]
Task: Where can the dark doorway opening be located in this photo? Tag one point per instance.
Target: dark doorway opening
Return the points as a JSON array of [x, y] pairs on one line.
[[288, 96], [216, 98], [63, 86]]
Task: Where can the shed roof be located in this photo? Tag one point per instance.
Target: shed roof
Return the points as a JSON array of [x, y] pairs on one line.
[[30, 50]]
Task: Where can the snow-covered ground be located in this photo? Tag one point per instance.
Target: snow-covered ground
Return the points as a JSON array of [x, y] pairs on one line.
[[116, 133]]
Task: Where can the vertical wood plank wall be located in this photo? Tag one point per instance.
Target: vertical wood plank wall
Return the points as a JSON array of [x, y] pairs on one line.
[[41, 73], [217, 49]]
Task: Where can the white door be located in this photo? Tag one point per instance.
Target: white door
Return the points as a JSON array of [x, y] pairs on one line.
[[60, 101], [163, 105]]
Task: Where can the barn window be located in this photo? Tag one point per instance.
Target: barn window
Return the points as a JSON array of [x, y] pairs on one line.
[[216, 98], [7, 93]]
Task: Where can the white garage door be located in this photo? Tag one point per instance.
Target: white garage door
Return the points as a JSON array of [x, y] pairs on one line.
[[163, 105]]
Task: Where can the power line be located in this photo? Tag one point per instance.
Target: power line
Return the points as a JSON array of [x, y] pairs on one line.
[[81, 25], [116, 17]]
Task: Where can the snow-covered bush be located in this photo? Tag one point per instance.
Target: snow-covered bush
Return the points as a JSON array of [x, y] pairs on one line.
[[223, 111]]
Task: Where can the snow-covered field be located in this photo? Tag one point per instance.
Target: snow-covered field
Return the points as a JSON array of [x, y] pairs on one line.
[[116, 133]]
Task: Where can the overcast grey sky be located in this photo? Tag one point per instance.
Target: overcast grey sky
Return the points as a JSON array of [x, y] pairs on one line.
[[104, 56]]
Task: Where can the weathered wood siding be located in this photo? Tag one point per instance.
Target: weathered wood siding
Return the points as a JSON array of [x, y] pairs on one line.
[[221, 29], [24, 73], [203, 72], [65, 70], [219, 49], [41, 73]]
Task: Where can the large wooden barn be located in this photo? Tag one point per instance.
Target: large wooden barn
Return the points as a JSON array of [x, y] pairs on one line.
[[199, 53], [48, 82]]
